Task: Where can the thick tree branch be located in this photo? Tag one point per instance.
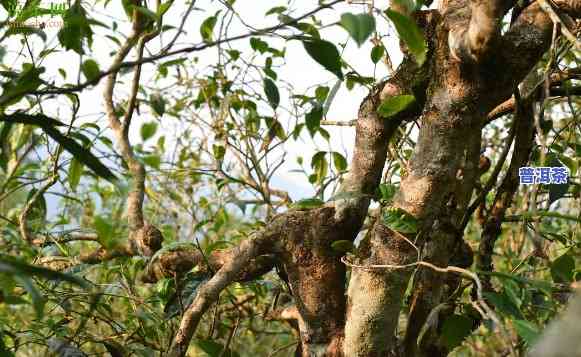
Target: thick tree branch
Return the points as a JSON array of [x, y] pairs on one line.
[[471, 38], [172, 262], [209, 292], [144, 238], [381, 304]]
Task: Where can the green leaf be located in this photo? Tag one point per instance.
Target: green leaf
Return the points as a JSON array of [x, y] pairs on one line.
[[211, 348], [163, 8], [90, 69], [411, 34], [563, 268], [387, 191], [157, 103], [258, 45], [207, 28], [37, 213], [503, 303], [276, 10], [313, 119], [455, 329], [393, 105], [219, 152], [339, 161], [342, 246], [320, 165], [359, 26], [571, 163], [152, 160], [271, 92], [539, 284], [148, 130], [3, 349], [77, 29], [75, 173], [80, 153], [400, 221], [308, 203], [321, 94], [377, 53], [105, 231], [527, 331], [326, 54]]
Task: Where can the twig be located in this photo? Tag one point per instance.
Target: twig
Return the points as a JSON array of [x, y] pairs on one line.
[[339, 123], [489, 314]]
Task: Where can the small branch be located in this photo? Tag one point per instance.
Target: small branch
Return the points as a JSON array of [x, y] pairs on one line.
[[208, 293], [43, 241], [144, 238], [339, 123]]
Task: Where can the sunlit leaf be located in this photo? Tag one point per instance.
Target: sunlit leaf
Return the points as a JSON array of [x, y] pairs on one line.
[[308, 203], [400, 221], [359, 26], [148, 130], [377, 53], [326, 54], [411, 34], [207, 28], [393, 105], [387, 191]]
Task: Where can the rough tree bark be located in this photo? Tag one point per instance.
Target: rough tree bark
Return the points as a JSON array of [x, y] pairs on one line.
[[470, 70]]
